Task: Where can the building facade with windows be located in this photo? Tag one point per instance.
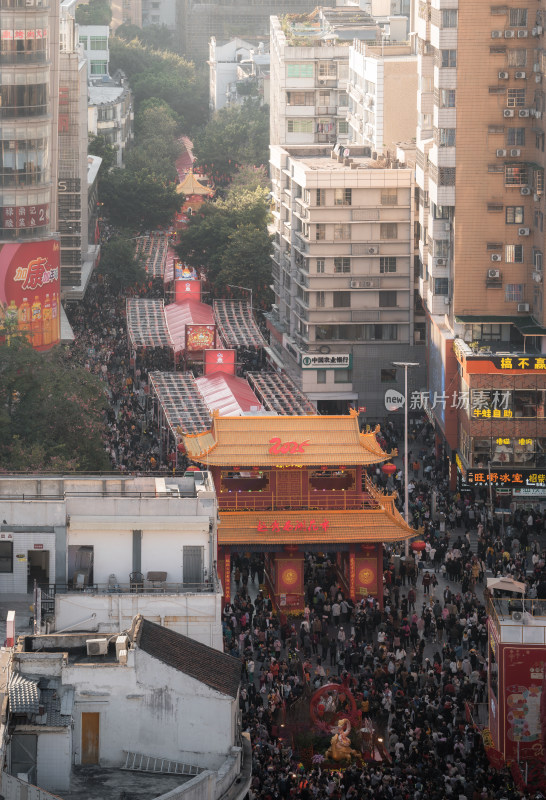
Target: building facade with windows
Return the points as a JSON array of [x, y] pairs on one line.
[[342, 274], [480, 173]]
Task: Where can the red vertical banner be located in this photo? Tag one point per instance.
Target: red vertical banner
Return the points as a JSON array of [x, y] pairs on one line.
[[187, 290], [352, 576], [521, 676], [220, 361], [227, 577]]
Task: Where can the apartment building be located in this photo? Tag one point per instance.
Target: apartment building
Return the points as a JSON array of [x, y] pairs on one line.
[[382, 87], [342, 274], [480, 172]]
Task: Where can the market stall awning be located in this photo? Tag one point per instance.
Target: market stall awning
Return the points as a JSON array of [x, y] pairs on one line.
[[300, 527], [146, 325], [227, 394], [168, 275], [188, 312], [287, 441], [278, 393], [152, 249], [236, 324], [180, 401], [506, 583]]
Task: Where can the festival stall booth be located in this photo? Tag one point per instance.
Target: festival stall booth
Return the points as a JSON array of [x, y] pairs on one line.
[[291, 484], [236, 324], [153, 249]]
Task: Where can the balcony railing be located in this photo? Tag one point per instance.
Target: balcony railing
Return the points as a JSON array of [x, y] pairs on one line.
[[311, 501]]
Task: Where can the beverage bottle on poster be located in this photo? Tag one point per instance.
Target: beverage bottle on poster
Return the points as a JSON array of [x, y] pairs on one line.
[[11, 317], [23, 317], [47, 322], [36, 322]]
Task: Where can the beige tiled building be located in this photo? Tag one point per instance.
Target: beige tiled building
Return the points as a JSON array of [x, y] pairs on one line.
[[342, 274]]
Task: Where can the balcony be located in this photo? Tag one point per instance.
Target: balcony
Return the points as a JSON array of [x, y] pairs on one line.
[[301, 243], [518, 621], [316, 500]]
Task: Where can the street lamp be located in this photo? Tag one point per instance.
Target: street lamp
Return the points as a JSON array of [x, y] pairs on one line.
[[245, 289], [406, 364]]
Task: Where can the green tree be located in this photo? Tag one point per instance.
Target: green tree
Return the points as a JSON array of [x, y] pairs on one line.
[[119, 265], [98, 146], [246, 261], [157, 37], [96, 12], [250, 177], [52, 414], [156, 132], [234, 136], [138, 200]]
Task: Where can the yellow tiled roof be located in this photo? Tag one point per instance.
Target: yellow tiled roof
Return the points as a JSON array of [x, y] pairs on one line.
[[317, 440], [301, 527]]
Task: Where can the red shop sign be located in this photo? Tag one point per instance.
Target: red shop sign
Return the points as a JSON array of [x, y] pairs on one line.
[[38, 547], [278, 447]]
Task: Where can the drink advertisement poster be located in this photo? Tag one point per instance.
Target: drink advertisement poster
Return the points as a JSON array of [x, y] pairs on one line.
[[30, 291]]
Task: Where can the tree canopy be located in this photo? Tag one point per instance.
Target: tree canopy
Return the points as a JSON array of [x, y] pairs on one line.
[[95, 12], [138, 200], [119, 265], [51, 414], [229, 241], [157, 37], [234, 136], [98, 146]]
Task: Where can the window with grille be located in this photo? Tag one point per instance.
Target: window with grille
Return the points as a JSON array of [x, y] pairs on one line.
[[342, 231], [388, 230], [517, 57], [515, 98], [515, 136], [389, 197], [518, 17], [514, 215], [320, 232], [328, 69], [300, 99], [342, 197], [446, 176], [441, 286], [387, 264], [300, 125], [342, 265], [514, 254], [516, 175], [513, 292]]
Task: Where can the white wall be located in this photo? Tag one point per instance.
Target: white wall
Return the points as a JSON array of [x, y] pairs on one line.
[[152, 709], [22, 543], [54, 760], [195, 615]]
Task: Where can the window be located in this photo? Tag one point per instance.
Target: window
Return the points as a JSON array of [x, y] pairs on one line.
[[440, 212], [342, 231], [342, 197], [388, 230], [99, 67], [446, 137], [387, 300], [321, 299], [327, 69], [300, 126], [320, 232], [83, 41], [389, 197], [447, 98], [449, 18], [324, 99], [515, 98], [513, 293], [99, 43], [387, 264], [357, 333], [441, 286], [446, 176], [320, 197], [515, 136], [321, 376], [342, 265], [320, 265], [514, 254], [441, 248], [518, 17], [449, 58], [515, 175], [343, 375], [342, 299], [6, 556], [514, 215], [517, 57], [299, 70], [300, 99], [388, 376], [342, 127]]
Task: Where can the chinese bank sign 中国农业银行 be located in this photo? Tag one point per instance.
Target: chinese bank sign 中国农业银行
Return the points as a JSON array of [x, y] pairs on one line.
[[30, 292]]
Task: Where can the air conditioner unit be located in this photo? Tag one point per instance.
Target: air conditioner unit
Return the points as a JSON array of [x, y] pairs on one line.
[[520, 75], [525, 190], [373, 251], [537, 276], [508, 112], [515, 152], [503, 76], [523, 34], [524, 231], [97, 647], [441, 262], [523, 307], [496, 257], [516, 616], [501, 153], [122, 643], [493, 274], [496, 34], [538, 78], [322, 81], [523, 112], [538, 30], [509, 34]]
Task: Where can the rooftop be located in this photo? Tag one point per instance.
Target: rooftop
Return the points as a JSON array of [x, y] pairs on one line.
[[103, 783]]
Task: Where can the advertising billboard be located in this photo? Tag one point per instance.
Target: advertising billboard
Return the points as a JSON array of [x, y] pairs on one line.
[[30, 291], [220, 361], [200, 337]]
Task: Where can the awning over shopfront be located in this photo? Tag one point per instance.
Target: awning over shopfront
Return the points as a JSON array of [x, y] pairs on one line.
[[180, 401], [236, 324], [188, 312], [301, 527], [278, 393], [286, 441], [227, 394], [146, 324], [506, 584]]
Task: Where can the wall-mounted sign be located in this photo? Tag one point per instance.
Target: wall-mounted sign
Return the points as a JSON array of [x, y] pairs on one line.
[[331, 361], [394, 400], [277, 527], [38, 547], [518, 478]]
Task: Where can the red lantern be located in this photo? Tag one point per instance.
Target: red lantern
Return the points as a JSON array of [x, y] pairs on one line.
[[418, 545], [389, 469], [193, 469], [321, 708]]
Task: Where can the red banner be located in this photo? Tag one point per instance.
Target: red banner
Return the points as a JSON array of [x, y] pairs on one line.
[[200, 337], [290, 576], [30, 291], [187, 290], [366, 576], [220, 361]]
